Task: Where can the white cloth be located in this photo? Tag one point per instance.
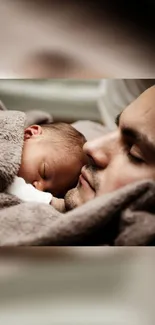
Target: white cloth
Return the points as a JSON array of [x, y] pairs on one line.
[[28, 192]]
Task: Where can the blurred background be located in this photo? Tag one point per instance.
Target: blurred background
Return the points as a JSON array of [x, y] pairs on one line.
[[69, 100], [65, 286], [66, 100], [77, 39]]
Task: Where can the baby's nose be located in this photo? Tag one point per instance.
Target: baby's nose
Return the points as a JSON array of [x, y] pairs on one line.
[[38, 185]]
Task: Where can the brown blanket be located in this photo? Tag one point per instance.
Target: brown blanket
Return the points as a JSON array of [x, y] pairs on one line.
[[124, 217]]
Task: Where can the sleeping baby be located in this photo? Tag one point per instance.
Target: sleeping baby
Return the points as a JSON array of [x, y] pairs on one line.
[[51, 163]]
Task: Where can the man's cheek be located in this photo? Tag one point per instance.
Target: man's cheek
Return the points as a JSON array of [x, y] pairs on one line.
[[119, 179], [129, 177]]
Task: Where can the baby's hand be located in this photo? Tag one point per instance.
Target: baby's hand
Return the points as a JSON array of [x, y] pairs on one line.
[[58, 204]]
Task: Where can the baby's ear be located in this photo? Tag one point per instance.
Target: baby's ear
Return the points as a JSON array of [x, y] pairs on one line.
[[33, 130]]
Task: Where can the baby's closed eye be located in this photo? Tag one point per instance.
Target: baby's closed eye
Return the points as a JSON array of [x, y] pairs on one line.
[[43, 171]]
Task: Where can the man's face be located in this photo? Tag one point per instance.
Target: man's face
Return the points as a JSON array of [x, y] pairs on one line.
[[121, 157]]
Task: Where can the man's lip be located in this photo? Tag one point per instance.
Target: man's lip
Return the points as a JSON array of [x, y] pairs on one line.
[[85, 177]]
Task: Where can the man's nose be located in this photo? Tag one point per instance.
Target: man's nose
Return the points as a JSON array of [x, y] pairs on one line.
[[101, 150]]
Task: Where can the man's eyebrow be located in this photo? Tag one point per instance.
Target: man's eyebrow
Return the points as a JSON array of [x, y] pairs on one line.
[[117, 119], [139, 138]]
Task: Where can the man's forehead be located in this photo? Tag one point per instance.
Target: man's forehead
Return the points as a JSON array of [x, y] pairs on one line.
[[142, 110]]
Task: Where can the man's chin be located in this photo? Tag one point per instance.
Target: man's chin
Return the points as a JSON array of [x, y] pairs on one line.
[[72, 199]]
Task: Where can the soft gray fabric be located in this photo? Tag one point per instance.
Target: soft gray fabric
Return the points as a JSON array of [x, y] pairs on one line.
[[11, 142], [124, 217], [37, 117], [91, 130]]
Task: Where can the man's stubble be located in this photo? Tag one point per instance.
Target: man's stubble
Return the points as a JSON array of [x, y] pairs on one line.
[[72, 199]]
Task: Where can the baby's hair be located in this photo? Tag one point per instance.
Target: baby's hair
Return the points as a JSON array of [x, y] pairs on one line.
[[66, 133]]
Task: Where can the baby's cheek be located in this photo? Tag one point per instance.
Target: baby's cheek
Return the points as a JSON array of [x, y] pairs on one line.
[[26, 172], [74, 171], [85, 160], [21, 170]]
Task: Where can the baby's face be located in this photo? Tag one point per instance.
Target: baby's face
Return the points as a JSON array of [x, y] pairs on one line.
[[49, 168]]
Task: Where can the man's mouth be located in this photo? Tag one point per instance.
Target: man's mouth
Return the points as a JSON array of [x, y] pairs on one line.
[[85, 179]]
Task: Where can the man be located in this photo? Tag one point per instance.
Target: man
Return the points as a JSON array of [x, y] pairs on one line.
[[121, 157]]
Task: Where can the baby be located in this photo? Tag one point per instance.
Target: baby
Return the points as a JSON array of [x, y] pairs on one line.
[[51, 163]]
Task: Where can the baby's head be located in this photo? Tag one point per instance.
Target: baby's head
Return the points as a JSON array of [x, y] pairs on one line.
[[52, 157]]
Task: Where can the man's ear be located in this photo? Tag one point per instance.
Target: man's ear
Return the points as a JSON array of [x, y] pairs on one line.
[[33, 130]]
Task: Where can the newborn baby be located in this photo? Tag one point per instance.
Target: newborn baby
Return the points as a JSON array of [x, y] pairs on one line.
[[51, 163]]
